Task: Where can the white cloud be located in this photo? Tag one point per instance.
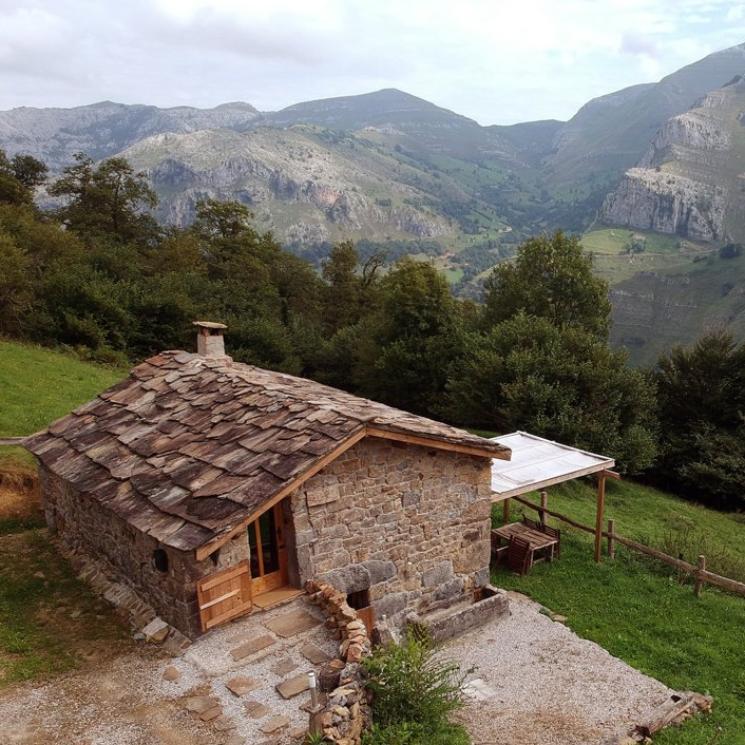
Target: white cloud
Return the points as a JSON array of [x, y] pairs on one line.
[[494, 60]]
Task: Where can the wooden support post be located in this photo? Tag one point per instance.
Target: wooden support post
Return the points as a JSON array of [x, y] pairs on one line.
[[544, 507], [506, 511], [700, 582], [612, 539], [599, 515]]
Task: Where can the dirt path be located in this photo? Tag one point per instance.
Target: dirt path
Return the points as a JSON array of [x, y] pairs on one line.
[[540, 684]]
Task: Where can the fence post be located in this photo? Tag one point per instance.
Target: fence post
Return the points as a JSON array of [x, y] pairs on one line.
[[544, 507], [612, 539], [699, 584]]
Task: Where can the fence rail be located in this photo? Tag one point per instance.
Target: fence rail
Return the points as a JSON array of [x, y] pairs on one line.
[[698, 571]]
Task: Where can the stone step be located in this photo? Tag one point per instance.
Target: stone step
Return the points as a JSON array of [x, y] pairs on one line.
[[294, 686], [252, 646]]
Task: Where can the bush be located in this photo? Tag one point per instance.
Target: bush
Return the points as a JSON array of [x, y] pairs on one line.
[[730, 251], [410, 733], [415, 691]]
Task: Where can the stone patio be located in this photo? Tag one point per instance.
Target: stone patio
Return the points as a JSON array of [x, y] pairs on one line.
[[243, 683]]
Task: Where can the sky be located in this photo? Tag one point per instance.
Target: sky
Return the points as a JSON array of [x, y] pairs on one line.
[[497, 61]]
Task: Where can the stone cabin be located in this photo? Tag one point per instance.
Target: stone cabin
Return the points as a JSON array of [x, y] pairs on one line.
[[214, 487]]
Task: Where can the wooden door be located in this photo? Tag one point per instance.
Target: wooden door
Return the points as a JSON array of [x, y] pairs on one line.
[[268, 551], [224, 595]]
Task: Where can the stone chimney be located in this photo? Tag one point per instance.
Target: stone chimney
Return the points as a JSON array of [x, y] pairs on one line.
[[210, 341]]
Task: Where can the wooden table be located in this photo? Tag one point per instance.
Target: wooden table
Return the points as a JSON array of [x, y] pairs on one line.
[[538, 541]]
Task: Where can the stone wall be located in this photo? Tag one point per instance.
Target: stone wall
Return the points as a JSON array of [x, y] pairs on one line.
[[346, 713], [83, 524], [408, 523]]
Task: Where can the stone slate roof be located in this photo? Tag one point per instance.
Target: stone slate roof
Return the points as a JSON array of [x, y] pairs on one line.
[[187, 446]]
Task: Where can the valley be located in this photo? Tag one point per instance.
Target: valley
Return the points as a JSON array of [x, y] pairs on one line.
[[402, 176]]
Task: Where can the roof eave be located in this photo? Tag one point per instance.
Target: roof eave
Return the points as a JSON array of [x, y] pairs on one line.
[[209, 547]]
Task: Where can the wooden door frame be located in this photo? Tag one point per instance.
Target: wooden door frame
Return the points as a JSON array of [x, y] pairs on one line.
[[279, 578]]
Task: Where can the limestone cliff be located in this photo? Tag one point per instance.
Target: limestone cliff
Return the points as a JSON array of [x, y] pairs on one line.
[[690, 180], [655, 200]]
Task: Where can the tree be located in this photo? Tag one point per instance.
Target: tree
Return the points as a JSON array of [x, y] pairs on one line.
[[342, 296], [16, 293], [560, 383], [405, 347], [108, 199], [29, 171], [550, 278], [701, 405]]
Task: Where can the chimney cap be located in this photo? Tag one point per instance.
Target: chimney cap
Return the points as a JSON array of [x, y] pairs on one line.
[[209, 325]]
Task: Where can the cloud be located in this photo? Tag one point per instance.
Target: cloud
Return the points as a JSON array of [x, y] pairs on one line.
[[495, 61]]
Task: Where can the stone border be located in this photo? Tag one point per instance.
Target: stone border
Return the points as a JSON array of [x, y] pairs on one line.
[[489, 602], [142, 617], [346, 713]]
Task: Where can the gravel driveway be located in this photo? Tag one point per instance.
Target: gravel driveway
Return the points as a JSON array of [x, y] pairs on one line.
[[538, 683]]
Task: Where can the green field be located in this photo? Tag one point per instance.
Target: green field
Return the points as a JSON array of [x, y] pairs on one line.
[[645, 614], [39, 385], [616, 240]]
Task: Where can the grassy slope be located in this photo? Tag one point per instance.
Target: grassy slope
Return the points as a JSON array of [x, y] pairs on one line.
[[51, 622], [641, 613], [38, 386]]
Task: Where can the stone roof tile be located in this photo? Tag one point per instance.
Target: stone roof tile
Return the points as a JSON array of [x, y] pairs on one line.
[[188, 447]]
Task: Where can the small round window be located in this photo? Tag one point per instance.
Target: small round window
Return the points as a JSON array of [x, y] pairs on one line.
[[160, 560]]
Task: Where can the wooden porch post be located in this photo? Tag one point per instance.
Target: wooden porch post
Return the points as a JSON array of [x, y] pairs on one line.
[[544, 507], [599, 516], [506, 511]]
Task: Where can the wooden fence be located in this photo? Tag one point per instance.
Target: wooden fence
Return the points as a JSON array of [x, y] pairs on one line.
[[699, 572]]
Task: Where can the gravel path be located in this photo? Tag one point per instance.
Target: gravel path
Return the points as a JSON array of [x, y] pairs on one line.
[[538, 683]]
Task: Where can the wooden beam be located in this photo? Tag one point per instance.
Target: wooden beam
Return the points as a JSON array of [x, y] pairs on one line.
[[506, 511], [611, 539], [544, 507], [600, 516], [208, 548], [611, 474], [430, 442]]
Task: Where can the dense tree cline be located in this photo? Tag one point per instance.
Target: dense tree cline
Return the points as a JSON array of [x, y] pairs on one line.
[[100, 276], [701, 402]]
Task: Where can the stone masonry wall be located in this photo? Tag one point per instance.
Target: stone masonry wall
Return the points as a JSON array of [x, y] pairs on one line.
[[346, 713], [84, 525], [407, 523]]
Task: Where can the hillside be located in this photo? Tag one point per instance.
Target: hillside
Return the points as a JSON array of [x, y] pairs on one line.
[[690, 180], [610, 134], [400, 174], [308, 185], [40, 385]]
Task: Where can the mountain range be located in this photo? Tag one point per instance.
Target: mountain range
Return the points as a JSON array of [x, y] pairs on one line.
[[394, 171]]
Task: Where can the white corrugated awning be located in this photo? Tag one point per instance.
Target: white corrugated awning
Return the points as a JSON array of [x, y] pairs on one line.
[[537, 463]]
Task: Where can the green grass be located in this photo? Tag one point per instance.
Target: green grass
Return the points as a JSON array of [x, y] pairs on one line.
[[642, 612], [40, 385], [659, 519], [51, 621], [615, 241]]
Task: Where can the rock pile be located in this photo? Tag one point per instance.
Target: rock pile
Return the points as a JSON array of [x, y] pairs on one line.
[[346, 712]]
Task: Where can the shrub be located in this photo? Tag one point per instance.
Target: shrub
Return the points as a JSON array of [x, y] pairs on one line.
[[730, 251], [415, 691], [409, 733]]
